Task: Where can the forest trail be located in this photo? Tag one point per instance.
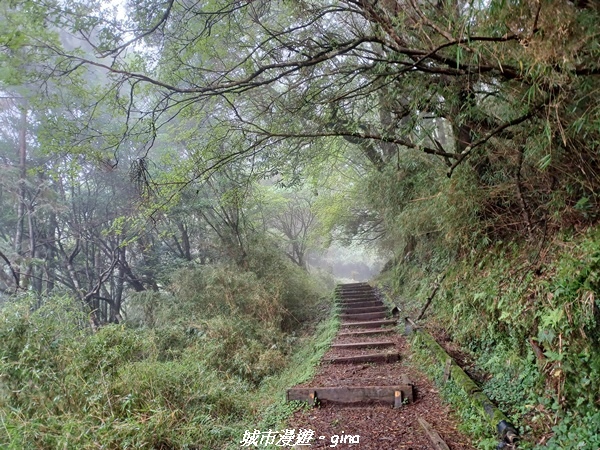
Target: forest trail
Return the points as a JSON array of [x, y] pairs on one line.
[[365, 395]]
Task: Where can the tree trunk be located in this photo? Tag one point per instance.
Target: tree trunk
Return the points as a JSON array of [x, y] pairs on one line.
[[185, 241], [22, 153], [50, 253], [115, 308], [33, 273]]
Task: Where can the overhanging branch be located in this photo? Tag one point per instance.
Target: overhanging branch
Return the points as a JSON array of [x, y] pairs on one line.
[[15, 274], [467, 151]]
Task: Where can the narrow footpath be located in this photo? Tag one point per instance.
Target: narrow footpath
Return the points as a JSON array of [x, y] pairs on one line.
[[365, 395]]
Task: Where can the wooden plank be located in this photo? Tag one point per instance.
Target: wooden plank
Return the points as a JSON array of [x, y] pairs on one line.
[[364, 309], [410, 326], [351, 287], [355, 290], [352, 394], [367, 332], [357, 283], [433, 435], [361, 304], [408, 394], [355, 294], [363, 316], [370, 323], [366, 344], [373, 357], [352, 301], [355, 302], [364, 287]]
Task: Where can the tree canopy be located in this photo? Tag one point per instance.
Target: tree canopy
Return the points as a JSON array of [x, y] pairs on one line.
[[384, 75]]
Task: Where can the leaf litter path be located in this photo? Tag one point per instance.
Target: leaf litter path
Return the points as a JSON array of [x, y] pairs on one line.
[[379, 426]]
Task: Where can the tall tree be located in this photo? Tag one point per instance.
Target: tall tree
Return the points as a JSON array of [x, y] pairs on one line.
[[509, 85]]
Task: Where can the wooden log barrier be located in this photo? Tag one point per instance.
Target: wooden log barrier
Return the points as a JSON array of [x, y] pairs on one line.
[[488, 410]]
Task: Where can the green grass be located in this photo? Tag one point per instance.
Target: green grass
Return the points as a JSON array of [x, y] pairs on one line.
[[302, 367]]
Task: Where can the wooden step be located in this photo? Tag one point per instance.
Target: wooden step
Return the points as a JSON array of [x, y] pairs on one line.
[[370, 358], [345, 301], [360, 309], [349, 295], [363, 316], [350, 285], [434, 436], [354, 394], [367, 333], [357, 300], [366, 309], [366, 344], [370, 323], [363, 288], [370, 304], [355, 293], [360, 304]]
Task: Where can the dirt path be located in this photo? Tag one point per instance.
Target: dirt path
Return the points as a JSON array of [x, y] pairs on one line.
[[374, 424]]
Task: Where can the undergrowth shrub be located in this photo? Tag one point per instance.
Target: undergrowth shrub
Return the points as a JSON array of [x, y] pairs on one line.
[[241, 319], [299, 292], [535, 328], [272, 290], [182, 372], [63, 387], [577, 430], [514, 384], [245, 348], [528, 315]]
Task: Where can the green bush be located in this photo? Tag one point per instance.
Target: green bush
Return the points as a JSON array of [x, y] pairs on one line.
[[530, 323], [185, 372], [577, 430], [64, 387], [245, 348]]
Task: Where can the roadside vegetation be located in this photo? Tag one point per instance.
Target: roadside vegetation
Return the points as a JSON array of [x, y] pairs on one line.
[[524, 318], [220, 363]]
